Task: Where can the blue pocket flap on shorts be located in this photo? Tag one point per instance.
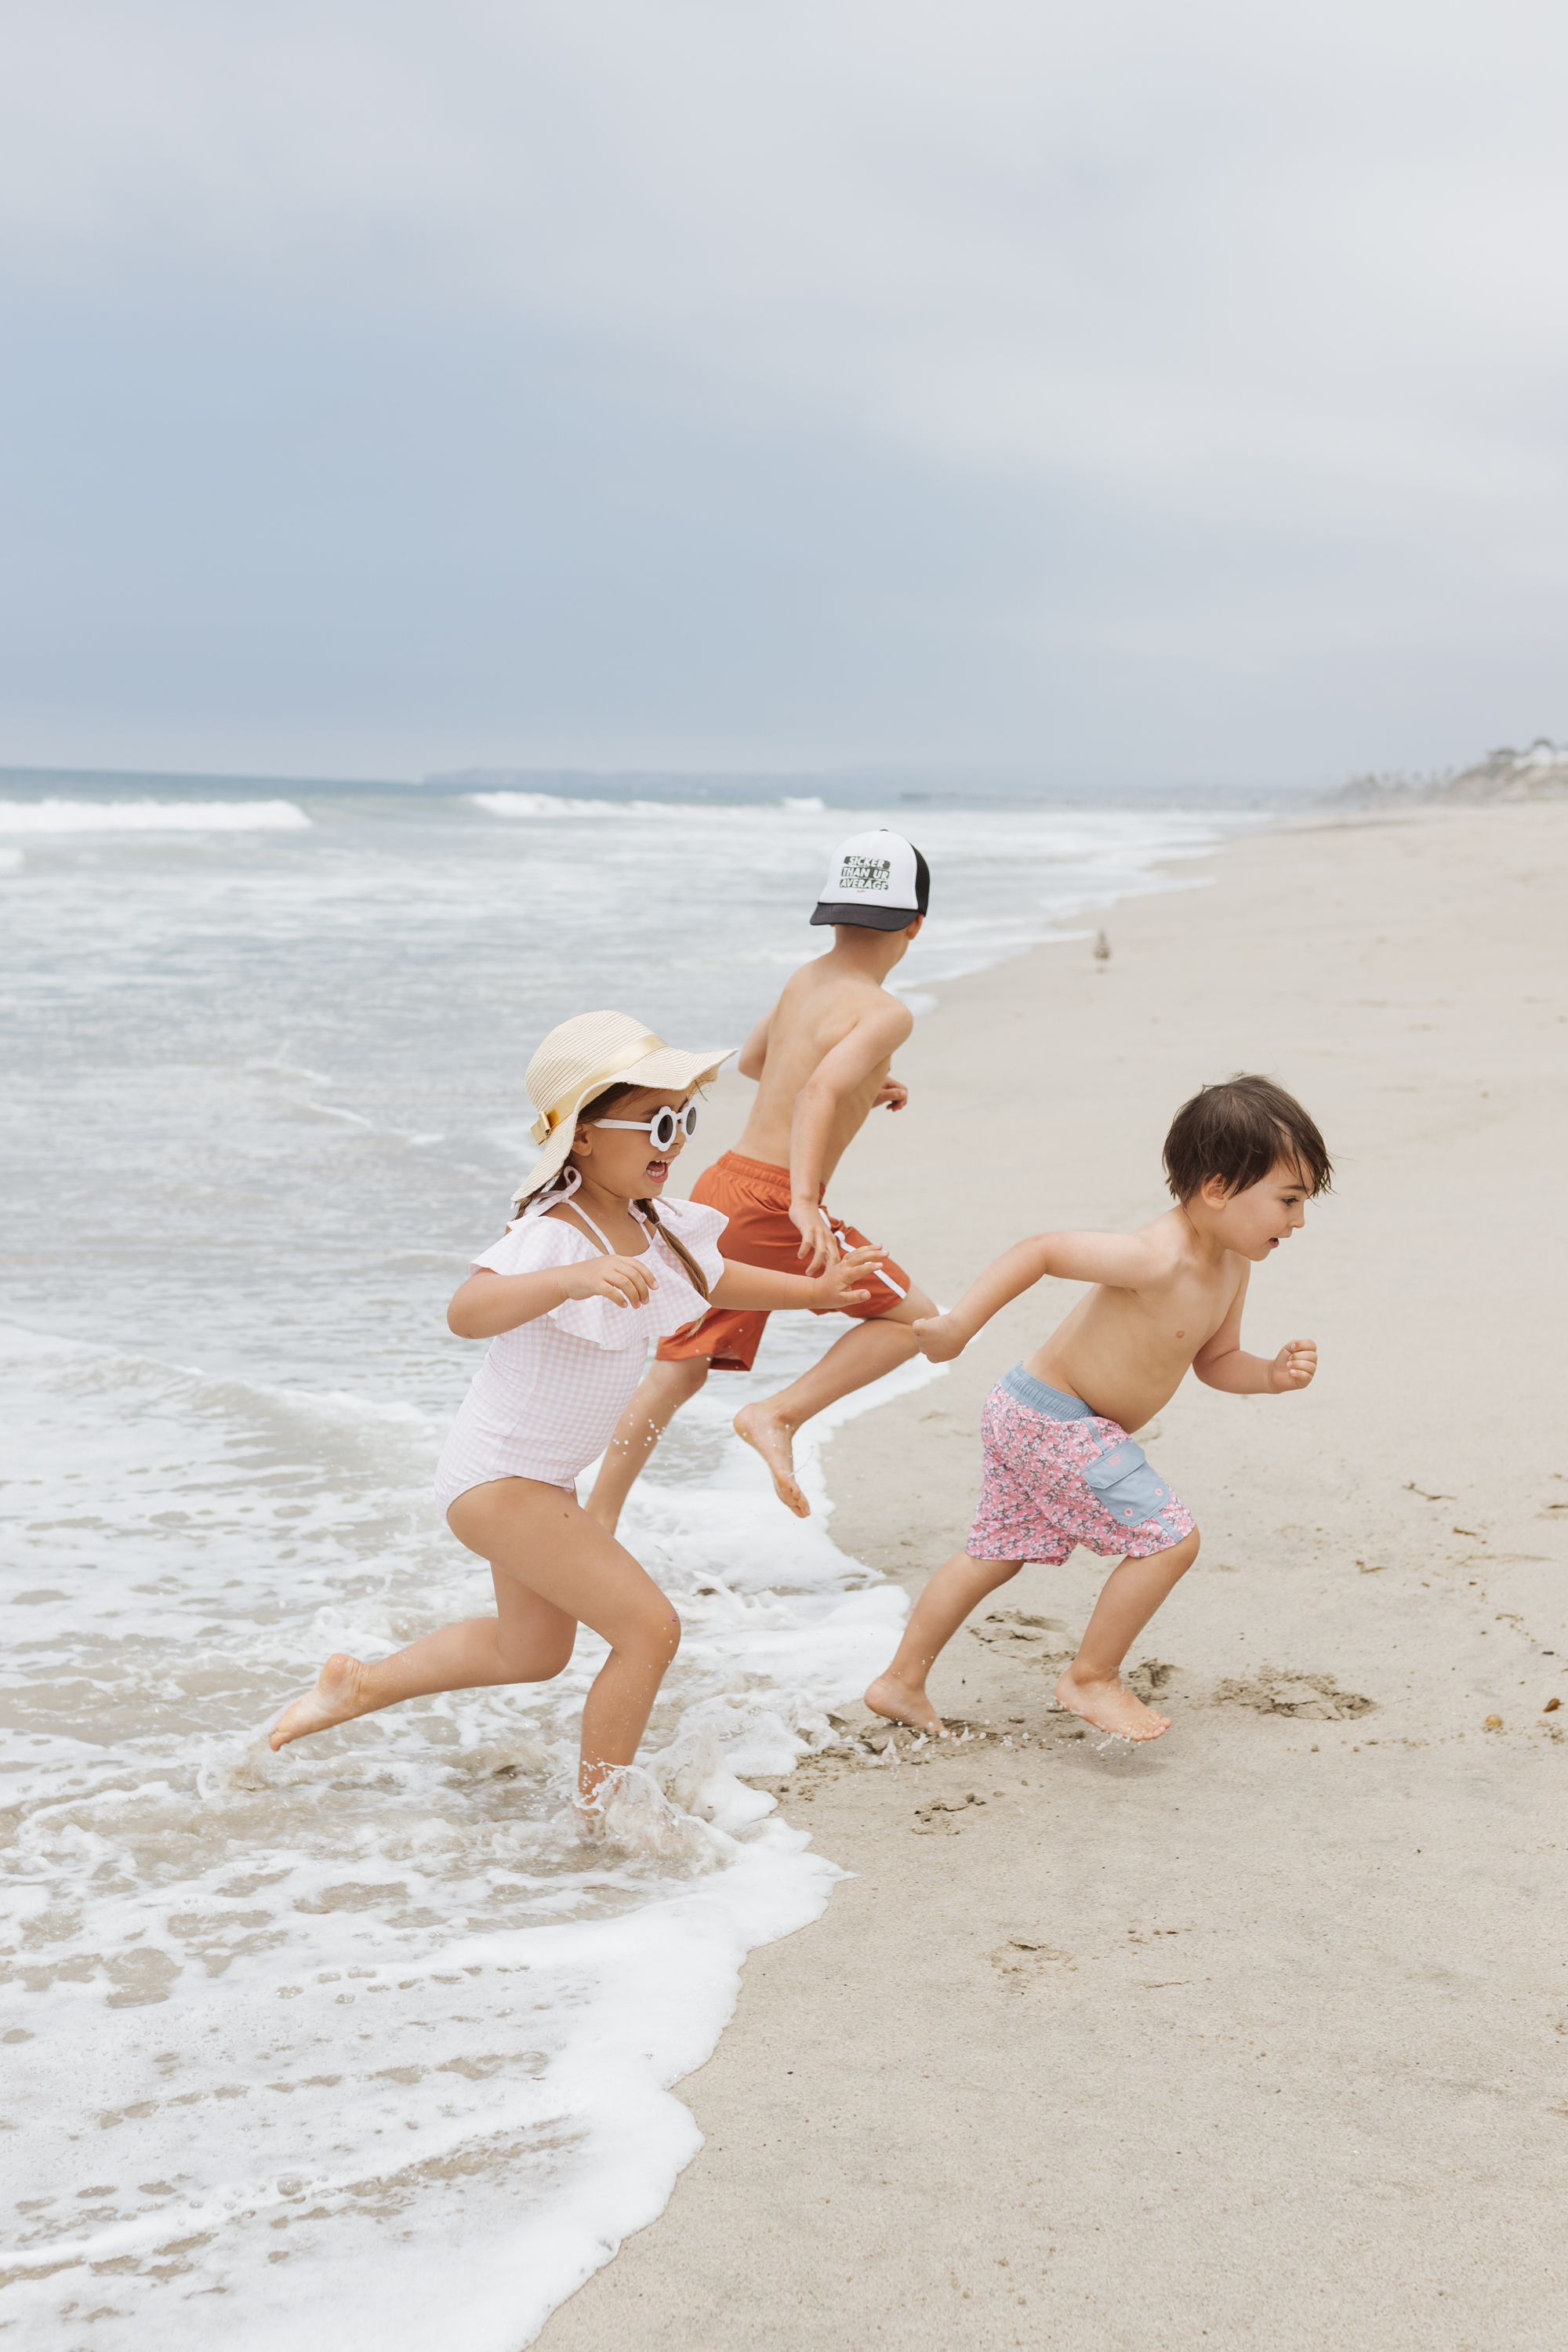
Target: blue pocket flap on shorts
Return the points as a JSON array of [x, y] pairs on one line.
[[1127, 1482]]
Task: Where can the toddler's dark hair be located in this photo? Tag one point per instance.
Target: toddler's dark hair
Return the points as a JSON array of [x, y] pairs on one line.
[[1237, 1131]]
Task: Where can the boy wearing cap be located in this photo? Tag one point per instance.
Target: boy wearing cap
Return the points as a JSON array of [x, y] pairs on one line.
[[822, 1058]]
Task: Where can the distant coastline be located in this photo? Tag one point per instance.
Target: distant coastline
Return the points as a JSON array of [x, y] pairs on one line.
[[1537, 773]]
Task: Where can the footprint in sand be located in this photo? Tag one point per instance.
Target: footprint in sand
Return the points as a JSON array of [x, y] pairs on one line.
[[1311, 1698]]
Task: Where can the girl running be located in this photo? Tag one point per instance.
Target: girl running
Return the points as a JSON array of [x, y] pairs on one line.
[[589, 1273]]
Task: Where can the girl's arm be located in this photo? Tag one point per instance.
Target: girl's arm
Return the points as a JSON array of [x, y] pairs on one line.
[[754, 1289], [1120, 1261], [1223, 1363], [489, 1303]]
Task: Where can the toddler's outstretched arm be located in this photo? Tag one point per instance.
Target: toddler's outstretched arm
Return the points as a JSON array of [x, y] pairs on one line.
[[1120, 1260]]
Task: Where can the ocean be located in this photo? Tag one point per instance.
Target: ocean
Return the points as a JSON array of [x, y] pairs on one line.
[[360, 2035]]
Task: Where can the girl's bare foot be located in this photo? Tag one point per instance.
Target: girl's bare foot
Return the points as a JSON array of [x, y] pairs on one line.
[[336, 1698], [901, 1703], [768, 1433], [1109, 1706]]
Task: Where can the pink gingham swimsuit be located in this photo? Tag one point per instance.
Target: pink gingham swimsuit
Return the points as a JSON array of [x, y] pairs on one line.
[[1058, 1474], [547, 1397]]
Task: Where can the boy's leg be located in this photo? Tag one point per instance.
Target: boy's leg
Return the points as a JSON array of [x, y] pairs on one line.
[[1092, 1685], [863, 1355], [959, 1586], [664, 1388]]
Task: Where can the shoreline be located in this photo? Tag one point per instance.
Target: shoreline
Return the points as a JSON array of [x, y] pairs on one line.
[[1268, 2008]]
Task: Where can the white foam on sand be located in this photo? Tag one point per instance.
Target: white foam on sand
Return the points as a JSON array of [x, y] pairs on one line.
[[370, 2026], [152, 816]]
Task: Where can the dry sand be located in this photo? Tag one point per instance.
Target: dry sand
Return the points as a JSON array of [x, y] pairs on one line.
[[1258, 2036]]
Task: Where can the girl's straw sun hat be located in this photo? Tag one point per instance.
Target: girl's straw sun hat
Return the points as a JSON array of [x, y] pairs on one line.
[[584, 1057]]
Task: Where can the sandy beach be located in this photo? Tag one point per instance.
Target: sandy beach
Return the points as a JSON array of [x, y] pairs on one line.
[[1258, 2036]]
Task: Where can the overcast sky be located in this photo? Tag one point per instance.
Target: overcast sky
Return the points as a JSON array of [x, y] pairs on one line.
[[1134, 391]]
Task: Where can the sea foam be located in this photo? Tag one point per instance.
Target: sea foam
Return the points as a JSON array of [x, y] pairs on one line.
[[325, 2012], [152, 816]]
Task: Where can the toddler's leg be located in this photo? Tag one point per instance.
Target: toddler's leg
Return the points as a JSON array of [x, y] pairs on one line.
[[959, 1586], [1092, 1685], [664, 1390]]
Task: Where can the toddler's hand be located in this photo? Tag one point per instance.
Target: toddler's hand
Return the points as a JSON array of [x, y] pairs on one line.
[[1294, 1366], [621, 1280], [938, 1340], [843, 1285]]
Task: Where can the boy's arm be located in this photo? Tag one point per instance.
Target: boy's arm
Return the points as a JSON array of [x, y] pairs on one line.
[[1223, 1363], [1120, 1261], [874, 1038], [755, 1052]]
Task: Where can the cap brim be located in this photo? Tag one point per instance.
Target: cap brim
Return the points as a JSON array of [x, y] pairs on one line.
[[867, 918]]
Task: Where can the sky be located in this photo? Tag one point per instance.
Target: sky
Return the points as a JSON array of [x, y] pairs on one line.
[[1132, 393]]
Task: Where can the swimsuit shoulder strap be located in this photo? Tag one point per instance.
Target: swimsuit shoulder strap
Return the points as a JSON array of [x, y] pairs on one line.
[[579, 1211], [557, 1200]]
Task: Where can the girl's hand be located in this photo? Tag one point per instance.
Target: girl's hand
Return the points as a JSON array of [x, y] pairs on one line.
[[893, 1095], [939, 1338], [1294, 1366], [623, 1279], [836, 1289]]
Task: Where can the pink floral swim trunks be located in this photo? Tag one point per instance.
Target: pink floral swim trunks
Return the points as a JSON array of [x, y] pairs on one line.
[[1057, 1476]]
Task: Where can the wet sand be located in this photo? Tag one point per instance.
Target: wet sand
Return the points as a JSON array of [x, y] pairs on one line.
[[1258, 2036]]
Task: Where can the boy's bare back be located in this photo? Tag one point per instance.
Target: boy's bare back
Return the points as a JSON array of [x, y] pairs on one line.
[[836, 1023]]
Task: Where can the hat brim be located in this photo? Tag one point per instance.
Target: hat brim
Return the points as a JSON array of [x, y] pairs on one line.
[[668, 1068], [867, 918]]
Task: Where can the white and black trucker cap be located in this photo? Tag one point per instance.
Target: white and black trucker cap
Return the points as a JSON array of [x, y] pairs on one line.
[[877, 880]]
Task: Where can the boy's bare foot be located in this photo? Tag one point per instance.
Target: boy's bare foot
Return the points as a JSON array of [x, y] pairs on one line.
[[899, 1704], [335, 1699], [768, 1433], [1109, 1706]]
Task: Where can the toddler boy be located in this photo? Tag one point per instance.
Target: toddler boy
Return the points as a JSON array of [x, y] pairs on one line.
[[1059, 1469]]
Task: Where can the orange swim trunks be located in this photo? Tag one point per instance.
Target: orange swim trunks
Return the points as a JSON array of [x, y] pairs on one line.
[[755, 1195]]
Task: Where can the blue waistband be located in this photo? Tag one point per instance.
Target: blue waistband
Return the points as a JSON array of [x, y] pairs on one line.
[[1040, 1398]]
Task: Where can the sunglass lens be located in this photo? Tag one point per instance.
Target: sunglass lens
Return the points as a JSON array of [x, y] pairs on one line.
[[662, 1131]]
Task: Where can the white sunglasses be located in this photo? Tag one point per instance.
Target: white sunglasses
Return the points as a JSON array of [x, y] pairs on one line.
[[661, 1129]]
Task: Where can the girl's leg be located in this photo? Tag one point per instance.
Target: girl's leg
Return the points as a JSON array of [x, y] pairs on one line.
[[552, 1566], [959, 1586], [527, 1641], [660, 1397], [1092, 1685]]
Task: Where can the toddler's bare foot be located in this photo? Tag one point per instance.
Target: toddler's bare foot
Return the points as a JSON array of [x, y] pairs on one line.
[[768, 1433], [899, 1704], [337, 1698], [1109, 1706]]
